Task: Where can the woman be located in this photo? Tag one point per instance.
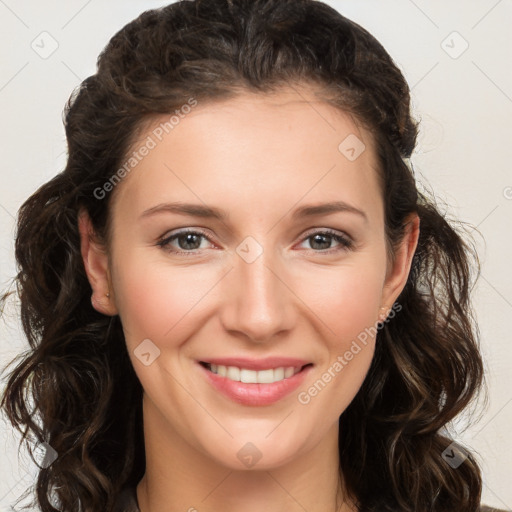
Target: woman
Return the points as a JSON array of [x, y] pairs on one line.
[[234, 293]]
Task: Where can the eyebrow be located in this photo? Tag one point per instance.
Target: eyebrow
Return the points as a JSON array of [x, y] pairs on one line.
[[194, 210], [327, 208], [203, 211]]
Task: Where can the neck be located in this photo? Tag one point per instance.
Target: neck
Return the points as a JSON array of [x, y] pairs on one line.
[[180, 476]]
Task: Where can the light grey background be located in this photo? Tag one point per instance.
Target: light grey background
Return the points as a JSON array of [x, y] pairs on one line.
[[462, 96]]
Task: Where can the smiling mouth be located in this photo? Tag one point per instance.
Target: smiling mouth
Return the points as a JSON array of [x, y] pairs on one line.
[[247, 376]]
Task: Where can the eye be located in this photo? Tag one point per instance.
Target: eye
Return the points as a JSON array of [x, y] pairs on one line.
[[322, 240], [188, 241]]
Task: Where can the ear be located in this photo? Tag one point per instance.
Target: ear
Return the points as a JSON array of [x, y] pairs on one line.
[[96, 261], [397, 275]]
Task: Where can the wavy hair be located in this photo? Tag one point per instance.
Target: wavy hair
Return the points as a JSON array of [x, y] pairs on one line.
[[87, 399]]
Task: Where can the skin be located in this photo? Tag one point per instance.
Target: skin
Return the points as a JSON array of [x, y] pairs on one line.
[[258, 157]]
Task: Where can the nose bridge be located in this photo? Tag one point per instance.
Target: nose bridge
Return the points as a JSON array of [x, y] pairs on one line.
[[259, 303]]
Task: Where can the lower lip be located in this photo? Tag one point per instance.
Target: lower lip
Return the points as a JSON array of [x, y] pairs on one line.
[[255, 394]]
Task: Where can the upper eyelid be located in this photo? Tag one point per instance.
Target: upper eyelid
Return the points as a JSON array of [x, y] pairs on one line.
[[331, 231], [184, 231]]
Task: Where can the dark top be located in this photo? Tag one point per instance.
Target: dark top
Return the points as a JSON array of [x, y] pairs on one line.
[[127, 502]]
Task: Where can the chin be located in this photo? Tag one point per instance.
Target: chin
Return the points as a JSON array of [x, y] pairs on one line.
[[253, 452]]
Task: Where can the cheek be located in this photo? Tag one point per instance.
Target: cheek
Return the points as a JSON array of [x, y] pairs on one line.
[[358, 302], [346, 298], [158, 301], [347, 308]]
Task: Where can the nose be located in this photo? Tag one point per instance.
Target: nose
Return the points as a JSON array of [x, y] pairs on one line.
[[259, 303]]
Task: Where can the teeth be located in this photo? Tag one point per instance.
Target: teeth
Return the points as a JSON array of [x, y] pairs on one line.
[[232, 372], [253, 376]]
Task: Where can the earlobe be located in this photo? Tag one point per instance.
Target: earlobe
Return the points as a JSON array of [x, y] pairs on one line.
[[96, 261], [398, 275]]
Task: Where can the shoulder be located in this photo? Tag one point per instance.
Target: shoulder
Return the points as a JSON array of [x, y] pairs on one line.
[[127, 500]]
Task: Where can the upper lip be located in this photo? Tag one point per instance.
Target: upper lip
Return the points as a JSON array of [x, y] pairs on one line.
[[266, 363]]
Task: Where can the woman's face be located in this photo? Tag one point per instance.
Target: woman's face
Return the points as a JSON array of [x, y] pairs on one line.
[[223, 253]]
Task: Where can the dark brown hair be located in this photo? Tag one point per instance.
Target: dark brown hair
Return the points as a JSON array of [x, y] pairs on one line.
[[87, 399]]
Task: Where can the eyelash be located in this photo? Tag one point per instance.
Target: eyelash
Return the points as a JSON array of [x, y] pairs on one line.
[[345, 243]]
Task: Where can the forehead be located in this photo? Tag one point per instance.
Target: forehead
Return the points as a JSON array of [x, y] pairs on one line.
[[255, 147]]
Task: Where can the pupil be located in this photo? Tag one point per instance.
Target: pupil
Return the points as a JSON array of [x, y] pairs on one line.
[[320, 237], [189, 240]]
